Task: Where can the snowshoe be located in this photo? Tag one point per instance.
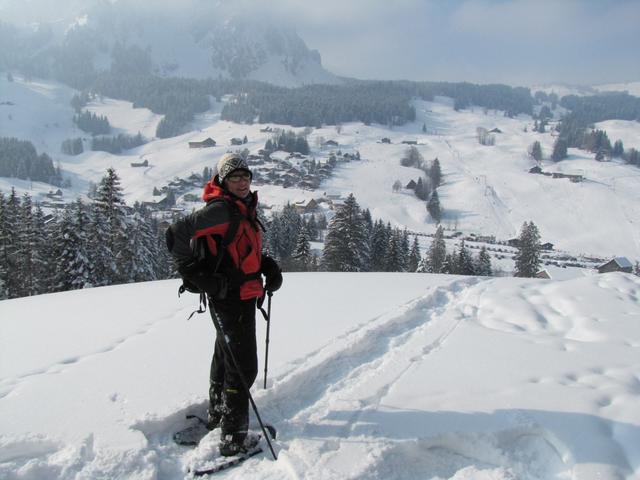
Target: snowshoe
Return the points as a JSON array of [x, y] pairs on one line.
[[191, 435]]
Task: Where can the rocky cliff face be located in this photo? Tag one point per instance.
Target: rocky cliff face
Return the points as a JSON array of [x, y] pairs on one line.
[[242, 48], [197, 39]]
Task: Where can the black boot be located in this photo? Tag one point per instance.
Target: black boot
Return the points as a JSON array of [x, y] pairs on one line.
[[232, 444], [234, 423], [216, 406]]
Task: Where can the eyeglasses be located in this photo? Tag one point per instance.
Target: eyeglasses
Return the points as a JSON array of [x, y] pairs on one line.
[[236, 177]]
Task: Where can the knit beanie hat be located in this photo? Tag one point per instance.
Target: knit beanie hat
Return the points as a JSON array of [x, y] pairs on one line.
[[229, 163]]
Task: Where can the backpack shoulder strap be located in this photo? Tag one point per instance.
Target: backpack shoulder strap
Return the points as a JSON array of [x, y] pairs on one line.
[[234, 223]]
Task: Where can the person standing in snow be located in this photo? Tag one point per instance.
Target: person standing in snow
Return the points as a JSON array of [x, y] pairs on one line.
[[218, 251]]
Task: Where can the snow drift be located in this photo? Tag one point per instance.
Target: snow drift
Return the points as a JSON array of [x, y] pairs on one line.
[[371, 376]]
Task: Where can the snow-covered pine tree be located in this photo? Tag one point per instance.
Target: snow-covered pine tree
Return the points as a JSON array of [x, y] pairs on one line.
[[137, 262], [422, 190], [527, 259], [535, 151], [435, 173], [405, 248], [164, 264], [618, 149], [10, 245], [368, 230], [312, 228], [3, 289], [451, 263], [465, 261], [271, 238], [302, 257], [101, 256], [322, 222], [42, 254], [483, 263], [73, 267], [110, 205], [434, 208], [437, 252], [559, 149], [346, 244], [368, 221], [282, 234], [395, 258], [4, 293], [25, 246], [414, 256], [378, 247], [291, 224], [422, 265]]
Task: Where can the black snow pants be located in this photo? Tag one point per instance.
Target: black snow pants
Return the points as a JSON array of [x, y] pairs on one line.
[[238, 321]]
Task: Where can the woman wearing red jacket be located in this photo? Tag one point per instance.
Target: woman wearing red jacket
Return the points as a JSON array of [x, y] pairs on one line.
[[218, 249]]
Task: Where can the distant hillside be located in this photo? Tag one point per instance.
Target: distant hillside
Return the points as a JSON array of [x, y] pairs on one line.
[[132, 39], [486, 189]]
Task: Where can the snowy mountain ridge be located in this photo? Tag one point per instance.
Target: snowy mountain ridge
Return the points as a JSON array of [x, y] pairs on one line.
[[218, 41]]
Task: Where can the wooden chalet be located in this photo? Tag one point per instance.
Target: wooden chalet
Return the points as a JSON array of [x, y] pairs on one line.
[[543, 274], [209, 142], [618, 264], [306, 207], [573, 178]]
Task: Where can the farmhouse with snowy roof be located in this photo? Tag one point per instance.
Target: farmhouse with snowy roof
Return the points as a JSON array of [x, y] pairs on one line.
[[618, 264], [209, 142]]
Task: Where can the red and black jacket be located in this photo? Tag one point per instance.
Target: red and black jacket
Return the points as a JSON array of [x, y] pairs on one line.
[[242, 256]]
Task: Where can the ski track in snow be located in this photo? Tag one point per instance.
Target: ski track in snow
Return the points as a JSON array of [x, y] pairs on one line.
[[330, 407], [369, 358], [319, 406]]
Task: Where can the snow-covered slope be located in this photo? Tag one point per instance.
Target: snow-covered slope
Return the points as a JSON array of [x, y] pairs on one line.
[[486, 189], [394, 376], [632, 88], [40, 112], [624, 130], [562, 89]]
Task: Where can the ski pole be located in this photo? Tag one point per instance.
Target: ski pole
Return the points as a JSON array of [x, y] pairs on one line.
[[245, 385], [266, 353]]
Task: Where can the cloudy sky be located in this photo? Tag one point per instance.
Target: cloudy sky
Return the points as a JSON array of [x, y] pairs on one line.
[[519, 42], [511, 41]]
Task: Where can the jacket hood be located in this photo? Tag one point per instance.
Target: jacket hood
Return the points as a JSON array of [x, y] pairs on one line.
[[213, 189]]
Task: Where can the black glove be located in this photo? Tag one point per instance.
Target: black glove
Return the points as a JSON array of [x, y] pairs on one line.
[[272, 273]]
